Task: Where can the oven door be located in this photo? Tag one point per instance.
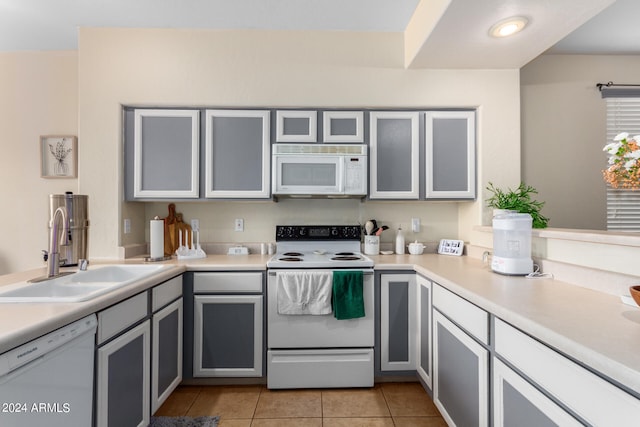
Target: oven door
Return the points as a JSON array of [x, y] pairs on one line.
[[319, 331], [308, 175]]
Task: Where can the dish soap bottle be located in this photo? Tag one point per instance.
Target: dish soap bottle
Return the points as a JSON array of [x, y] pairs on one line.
[[400, 241]]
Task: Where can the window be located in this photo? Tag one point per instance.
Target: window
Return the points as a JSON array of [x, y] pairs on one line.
[[623, 206]]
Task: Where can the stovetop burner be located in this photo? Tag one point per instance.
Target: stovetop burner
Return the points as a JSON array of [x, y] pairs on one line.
[[345, 258], [290, 258], [295, 254], [345, 254]]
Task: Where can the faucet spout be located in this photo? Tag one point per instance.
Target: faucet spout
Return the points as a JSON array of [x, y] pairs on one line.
[[53, 263]]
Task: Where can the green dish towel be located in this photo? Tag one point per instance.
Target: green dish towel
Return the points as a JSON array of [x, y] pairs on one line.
[[347, 298]]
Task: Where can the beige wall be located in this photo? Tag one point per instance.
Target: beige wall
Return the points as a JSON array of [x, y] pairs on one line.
[[564, 130], [39, 96], [271, 68], [82, 93]]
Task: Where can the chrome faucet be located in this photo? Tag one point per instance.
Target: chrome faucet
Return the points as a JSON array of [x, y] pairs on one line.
[[53, 262]]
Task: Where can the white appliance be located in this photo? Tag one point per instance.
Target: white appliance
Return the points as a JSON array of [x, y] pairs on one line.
[[512, 244], [330, 170], [49, 381], [319, 351]]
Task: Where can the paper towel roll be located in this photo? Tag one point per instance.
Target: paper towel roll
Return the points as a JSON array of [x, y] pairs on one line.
[[156, 238]]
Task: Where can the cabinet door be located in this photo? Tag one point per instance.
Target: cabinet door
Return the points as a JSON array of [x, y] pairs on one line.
[[424, 327], [450, 166], [123, 380], [460, 375], [166, 363], [516, 403], [394, 161], [166, 154], [296, 126], [227, 336], [398, 328], [343, 126], [589, 396], [237, 154]]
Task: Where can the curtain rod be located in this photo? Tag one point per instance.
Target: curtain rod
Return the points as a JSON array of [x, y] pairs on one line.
[[610, 84]]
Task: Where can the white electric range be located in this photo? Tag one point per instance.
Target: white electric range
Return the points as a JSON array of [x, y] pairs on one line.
[[311, 350]]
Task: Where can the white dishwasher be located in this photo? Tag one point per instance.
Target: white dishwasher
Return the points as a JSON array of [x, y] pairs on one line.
[[49, 381]]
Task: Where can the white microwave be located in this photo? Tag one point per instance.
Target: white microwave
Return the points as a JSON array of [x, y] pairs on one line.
[[338, 170]]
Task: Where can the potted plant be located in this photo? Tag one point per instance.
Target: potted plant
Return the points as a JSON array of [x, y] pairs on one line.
[[518, 200]]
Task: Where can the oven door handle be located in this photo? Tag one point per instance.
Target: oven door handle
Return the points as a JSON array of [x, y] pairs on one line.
[[365, 272]]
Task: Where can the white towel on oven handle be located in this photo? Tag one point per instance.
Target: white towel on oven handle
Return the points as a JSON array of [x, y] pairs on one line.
[[304, 292]]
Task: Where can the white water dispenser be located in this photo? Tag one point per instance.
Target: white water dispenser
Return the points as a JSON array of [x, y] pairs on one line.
[[512, 244]]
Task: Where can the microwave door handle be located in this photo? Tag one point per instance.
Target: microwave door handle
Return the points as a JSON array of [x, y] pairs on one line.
[[342, 165]]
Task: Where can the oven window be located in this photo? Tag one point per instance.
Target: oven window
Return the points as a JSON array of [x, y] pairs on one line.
[[309, 174]]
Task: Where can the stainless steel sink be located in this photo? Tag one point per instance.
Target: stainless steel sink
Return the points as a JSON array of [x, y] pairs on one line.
[[80, 286]]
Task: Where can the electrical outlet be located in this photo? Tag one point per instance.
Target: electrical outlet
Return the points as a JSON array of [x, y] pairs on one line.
[[195, 225], [239, 224], [127, 226], [415, 225]]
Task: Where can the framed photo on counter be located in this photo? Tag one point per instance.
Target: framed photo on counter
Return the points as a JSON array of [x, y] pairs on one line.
[[58, 156]]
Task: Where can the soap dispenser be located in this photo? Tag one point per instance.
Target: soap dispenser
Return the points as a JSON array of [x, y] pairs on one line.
[[400, 241]]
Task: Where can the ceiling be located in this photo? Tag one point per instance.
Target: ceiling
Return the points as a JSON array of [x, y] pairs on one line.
[[446, 33]]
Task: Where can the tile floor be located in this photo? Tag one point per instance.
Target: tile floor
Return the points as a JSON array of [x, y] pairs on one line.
[[384, 405]]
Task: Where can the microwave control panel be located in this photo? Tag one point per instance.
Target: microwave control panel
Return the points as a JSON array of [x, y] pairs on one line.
[[355, 172]]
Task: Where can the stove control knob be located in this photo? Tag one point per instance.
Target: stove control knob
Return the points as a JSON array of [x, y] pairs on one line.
[[289, 232], [302, 231], [334, 231]]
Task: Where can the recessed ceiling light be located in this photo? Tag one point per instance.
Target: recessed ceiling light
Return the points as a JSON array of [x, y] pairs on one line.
[[509, 26]]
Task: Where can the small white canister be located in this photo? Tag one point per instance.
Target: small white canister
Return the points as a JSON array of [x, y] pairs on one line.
[[371, 245]]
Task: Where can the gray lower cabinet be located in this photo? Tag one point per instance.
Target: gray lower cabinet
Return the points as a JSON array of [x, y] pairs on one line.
[[394, 162], [228, 324], [460, 388], [398, 326], [450, 164], [516, 403], [162, 152], [587, 396], [424, 330], [123, 364], [166, 326], [460, 360], [237, 154]]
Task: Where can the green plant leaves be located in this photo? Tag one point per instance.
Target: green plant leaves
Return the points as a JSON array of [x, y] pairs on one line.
[[519, 200]]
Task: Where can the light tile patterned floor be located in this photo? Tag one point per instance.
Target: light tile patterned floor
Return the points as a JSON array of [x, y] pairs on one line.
[[384, 405]]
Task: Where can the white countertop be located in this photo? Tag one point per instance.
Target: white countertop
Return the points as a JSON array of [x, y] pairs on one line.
[[594, 328]]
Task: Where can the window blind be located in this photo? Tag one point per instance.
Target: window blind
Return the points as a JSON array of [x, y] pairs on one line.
[[623, 206]]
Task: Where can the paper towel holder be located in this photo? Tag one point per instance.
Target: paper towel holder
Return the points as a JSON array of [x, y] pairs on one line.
[[157, 258]]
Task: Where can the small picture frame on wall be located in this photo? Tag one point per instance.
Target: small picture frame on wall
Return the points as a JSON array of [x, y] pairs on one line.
[[58, 156]]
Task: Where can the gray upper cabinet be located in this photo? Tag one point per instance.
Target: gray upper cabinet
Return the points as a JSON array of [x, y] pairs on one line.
[[450, 164], [394, 158], [343, 126], [237, 154], [296, 126], [166, 153]]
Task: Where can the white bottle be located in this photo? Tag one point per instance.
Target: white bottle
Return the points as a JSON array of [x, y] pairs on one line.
[[400, 241]]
